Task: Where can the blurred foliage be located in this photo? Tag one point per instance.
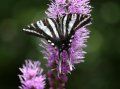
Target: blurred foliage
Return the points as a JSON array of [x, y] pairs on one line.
[[101, 69]]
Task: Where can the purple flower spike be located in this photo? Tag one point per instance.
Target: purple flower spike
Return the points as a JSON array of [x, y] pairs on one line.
[[56, 8], [32, 77], [78, 44], [62, 7], [79, 6]]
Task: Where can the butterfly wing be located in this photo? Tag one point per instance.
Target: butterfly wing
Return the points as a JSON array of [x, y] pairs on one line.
[[72, 22], [46, 29], [57, 31]]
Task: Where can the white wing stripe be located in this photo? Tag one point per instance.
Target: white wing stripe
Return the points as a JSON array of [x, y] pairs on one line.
[[85, 19], [31, 31], [64, 25], [44, 28], [32, 25], [71, 23], [53, 26]]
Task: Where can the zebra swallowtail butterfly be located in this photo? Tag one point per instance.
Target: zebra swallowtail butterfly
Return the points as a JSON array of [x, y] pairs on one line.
[[59, 32]]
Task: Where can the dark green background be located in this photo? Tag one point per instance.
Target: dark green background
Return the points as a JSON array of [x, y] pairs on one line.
[[101, 69]]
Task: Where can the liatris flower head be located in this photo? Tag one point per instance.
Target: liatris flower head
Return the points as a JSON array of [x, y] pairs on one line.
[[62, 7], [79, 6], [31, 77], [56, 8], [78, 44]]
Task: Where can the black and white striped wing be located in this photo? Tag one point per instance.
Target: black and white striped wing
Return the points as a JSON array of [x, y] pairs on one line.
[[44, 29], [62, 28], [72, 22]]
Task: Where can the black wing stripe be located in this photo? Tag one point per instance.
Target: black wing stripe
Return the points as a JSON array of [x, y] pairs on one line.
[[46, 36], [35, 29], [67, 23], [54, 28], [44, 28], [64, 25], [72, 22], [49, 26], [57, 26], [82, 17], [32, 32], [81, 21], [76, 22], [84, 22], [31, 29]]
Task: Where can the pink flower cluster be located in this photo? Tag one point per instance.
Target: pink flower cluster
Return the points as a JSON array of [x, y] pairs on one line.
[[62, 7], [31, 77]]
